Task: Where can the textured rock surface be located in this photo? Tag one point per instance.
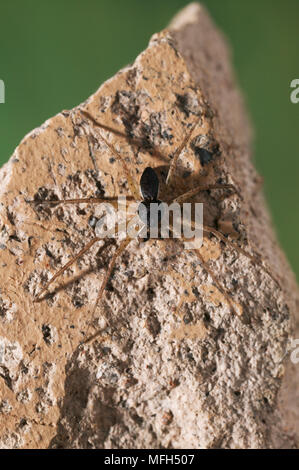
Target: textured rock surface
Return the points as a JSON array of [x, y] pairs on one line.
[[173, 367]]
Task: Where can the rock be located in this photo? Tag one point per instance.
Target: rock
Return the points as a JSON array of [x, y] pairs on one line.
[[178, 363]]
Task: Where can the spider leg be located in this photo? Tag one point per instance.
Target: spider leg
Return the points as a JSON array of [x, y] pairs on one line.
[[216, 282], [236, 247], [133, 189], [197, 189], [89, 200], [206, 267], [66, 266], [178, 153], [117, 253]]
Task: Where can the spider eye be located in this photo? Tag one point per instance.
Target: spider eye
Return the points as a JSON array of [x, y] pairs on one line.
[[149, 184]]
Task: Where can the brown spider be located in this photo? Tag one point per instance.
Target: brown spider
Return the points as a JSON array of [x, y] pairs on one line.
[[149, 188]]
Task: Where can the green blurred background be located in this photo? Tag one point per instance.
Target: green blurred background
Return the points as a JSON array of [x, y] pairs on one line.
[[54, 54]]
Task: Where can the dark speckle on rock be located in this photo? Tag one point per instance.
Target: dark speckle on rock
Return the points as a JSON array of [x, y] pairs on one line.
[[92, 221], [47, 333], [205, 147], [205, 156], [153, 325], [188, 318], [186, 174], [188, 104]]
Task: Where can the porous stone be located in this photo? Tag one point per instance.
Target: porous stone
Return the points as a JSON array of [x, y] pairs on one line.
[[173, 365]]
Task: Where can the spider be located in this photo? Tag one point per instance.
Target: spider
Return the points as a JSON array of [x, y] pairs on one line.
[[146, 193]]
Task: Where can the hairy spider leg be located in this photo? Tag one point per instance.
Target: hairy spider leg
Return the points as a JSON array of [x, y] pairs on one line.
[[216, 282], [218, 234], [206, 187], [253, 258], [132, 186], [123, 245], [66, 266], [214, 278], [90, 200], [69, 263], [178, 153], [236, 247], [222, 238]]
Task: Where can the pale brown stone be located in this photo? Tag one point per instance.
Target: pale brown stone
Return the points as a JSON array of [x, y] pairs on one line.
[[173, 367]]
